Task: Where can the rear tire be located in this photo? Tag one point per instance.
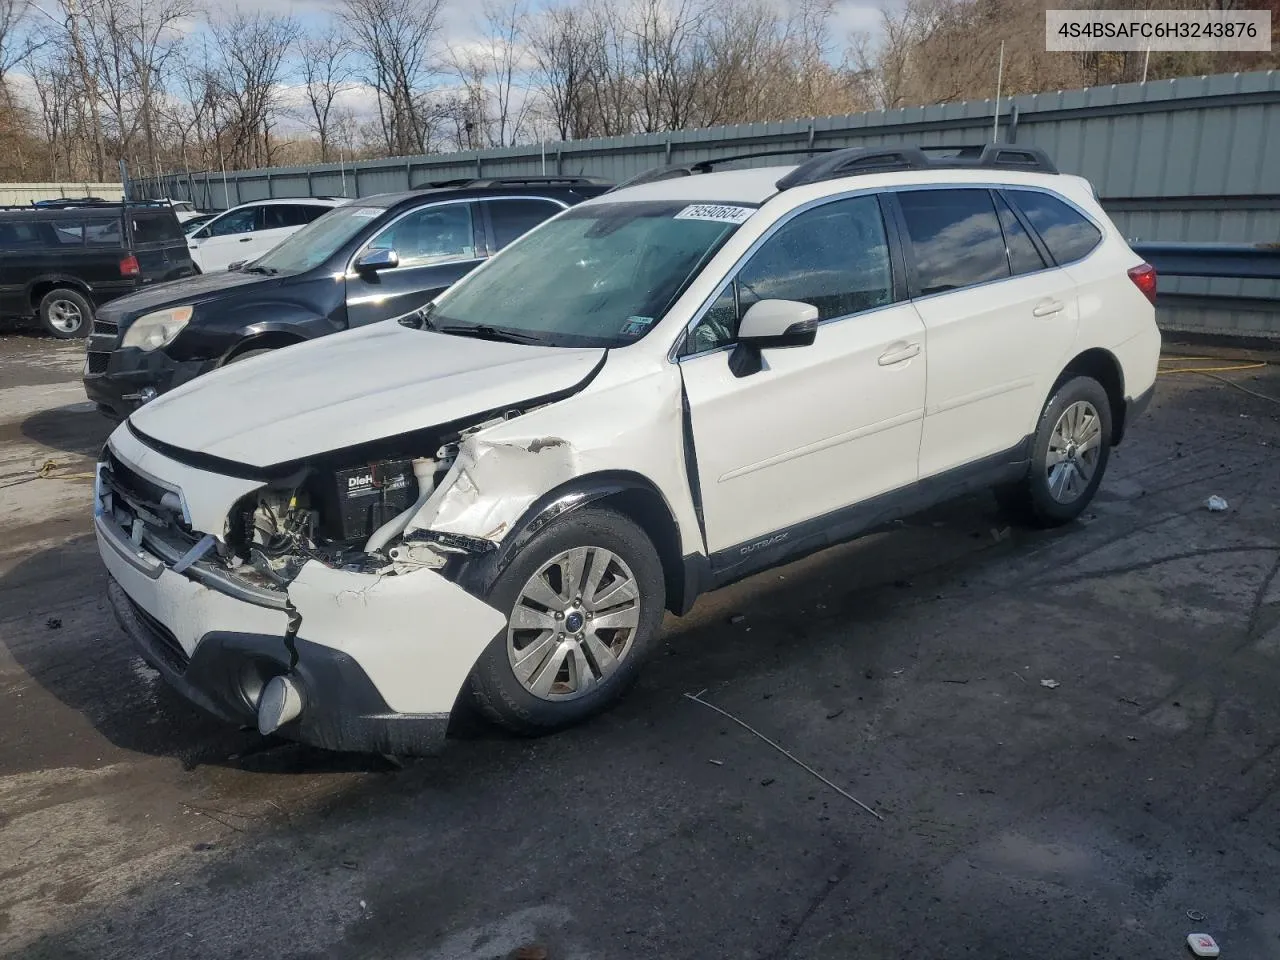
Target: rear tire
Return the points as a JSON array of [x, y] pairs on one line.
[[1068, 458], [66, 314], [556, 663]]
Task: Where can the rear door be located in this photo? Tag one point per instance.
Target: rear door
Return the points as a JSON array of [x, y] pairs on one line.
[[225, 239], [279, 220], [437, 245], [999, 320], [158, 244]]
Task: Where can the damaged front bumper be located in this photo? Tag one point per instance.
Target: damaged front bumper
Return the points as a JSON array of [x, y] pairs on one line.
[[378, 660]]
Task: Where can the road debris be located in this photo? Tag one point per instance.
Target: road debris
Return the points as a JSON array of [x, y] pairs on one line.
[[718, 763], [1000, 533], [835, 713], [697, 698], [1202, 945], [1051, 684], [1019, 676], [53, 623], [766, 781], [736, 619], [529, 952], [1215, 504], [1195, 916]]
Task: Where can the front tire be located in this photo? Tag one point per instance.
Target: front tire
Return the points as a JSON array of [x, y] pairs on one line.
[[584, 601], [66, 313], [1068, 458]]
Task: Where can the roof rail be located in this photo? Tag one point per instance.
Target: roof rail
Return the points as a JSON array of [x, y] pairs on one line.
[[517, 181], [859, 160], [655, 174]]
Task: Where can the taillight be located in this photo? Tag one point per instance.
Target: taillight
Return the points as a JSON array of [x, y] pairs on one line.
[[129, 266], [1144, 278]]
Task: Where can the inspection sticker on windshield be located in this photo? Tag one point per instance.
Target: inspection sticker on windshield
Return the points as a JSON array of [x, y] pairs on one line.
[[720, 212], [636, 326], [367, 212]]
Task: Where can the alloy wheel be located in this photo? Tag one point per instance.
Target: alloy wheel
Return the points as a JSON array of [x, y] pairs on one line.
[[573, 623], [1074, 448]]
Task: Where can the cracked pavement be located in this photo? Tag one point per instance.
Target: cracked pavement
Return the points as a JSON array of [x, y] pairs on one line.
[[1021, 820]]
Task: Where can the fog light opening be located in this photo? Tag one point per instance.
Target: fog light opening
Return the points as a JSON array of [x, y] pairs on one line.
[[280, 703]]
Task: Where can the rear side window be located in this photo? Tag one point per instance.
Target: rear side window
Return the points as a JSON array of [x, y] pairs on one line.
[[514, 218], [102, 231], [956, 238], [69, 234], [156, 228], [238, 221], [278, 215], [1064, 230], [1023, 255]]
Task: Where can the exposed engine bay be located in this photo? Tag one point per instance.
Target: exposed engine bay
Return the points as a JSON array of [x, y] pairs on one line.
[[351, 518]]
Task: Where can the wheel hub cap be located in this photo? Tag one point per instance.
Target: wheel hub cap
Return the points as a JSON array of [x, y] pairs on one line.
[[573, 623]]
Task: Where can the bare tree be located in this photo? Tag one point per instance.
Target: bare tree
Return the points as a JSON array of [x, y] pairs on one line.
[[252, 49], [394, 39], [558, 46], [327, 73]]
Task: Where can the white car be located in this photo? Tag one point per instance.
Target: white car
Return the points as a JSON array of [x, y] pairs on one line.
[[655, 393], [248, 231]]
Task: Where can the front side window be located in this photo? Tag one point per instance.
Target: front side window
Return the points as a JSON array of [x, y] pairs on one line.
[[834, 257], [1067, 234], [514, 218], [239, 221], [602, 274], [429, 236], [955, 237]]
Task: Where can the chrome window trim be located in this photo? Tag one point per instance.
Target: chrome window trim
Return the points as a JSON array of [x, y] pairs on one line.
[[673, 354]]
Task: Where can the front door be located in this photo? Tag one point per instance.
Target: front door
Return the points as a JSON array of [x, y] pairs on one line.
[[435, 246], [820, 427]]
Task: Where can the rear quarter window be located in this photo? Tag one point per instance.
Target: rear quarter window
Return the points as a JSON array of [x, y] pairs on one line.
[[1064, 230], [26, 234]]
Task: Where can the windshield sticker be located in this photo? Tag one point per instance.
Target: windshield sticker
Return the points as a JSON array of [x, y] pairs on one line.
[[719, 212], [635, 326], [366, 212]]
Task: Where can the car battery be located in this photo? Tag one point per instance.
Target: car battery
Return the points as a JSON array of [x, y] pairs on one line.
[[361, 499]]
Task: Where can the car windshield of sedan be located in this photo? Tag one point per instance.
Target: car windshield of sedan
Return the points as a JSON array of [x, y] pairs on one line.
[[597, 275], [318, 240]]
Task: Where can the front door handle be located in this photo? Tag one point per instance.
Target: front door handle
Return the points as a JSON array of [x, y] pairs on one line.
[[246, 239], [898, 352], [1047, 308]]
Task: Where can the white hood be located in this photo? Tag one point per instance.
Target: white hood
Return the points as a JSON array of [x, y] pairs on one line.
[[353, 387]]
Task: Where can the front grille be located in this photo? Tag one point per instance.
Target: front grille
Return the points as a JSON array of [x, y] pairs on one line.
[[162, 641], [105, 326], [96, 362]]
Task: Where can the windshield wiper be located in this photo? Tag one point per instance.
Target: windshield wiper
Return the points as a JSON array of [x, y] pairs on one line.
[[485, 332], [265, 271]]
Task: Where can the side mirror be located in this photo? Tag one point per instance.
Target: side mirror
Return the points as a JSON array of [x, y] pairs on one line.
[[236, 265], [768, 324], [376, 260]]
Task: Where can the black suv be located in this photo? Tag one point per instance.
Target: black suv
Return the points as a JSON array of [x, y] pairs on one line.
[[61, 259], [370, 259]]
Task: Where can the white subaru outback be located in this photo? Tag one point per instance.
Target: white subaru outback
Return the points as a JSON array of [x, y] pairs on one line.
[[655, 393]]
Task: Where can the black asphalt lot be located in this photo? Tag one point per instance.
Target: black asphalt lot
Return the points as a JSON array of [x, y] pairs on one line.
[[1082, 819]]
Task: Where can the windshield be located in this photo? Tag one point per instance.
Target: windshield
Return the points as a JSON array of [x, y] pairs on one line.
[[597, 275], [319, 240]]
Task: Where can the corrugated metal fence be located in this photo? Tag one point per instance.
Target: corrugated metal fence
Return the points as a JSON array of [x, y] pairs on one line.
[[1193, 159]]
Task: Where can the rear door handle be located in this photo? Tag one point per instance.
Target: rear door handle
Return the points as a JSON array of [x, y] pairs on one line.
[[1046, 308], [898, 352]]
